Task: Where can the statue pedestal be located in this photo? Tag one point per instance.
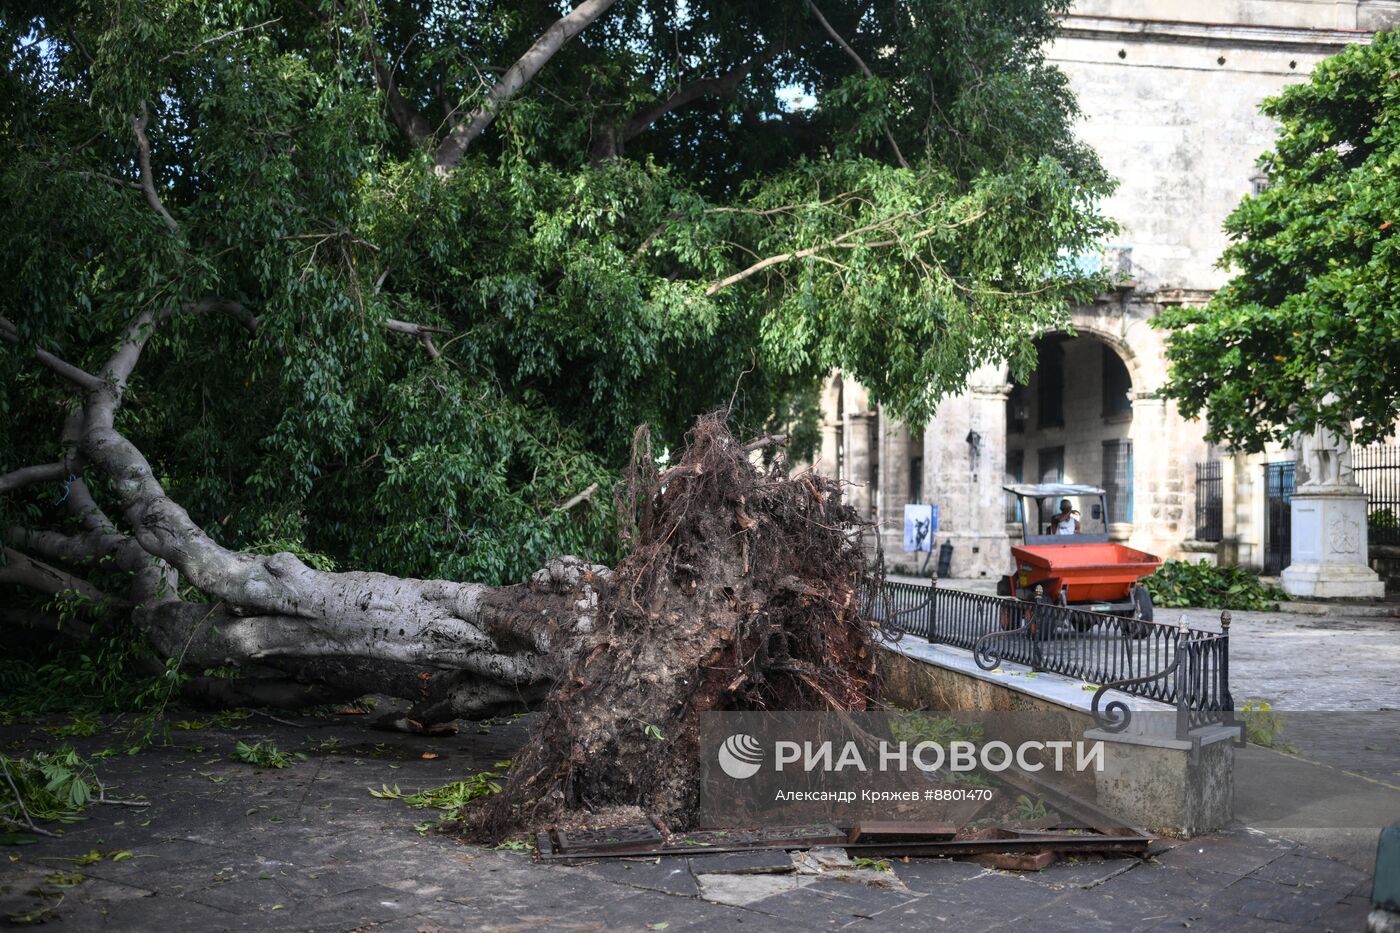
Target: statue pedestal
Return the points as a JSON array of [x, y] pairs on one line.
[[1329, 545]]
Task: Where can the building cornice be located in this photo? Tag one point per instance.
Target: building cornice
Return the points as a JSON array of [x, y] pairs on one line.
[[1233, 35]]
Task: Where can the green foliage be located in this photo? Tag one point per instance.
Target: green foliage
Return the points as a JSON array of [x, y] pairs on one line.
[[874, 864], [917, 726], [1265, 727], [1030, 810], [52, 786], [1383, 519], [451, 796], [1308, 329], [263, 755], [111, 671], [587, 274], [1182, 584]]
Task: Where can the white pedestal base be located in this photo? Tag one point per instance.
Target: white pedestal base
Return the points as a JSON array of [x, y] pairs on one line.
[[1329, 546]]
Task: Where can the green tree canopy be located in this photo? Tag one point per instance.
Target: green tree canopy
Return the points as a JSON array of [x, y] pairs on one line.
[[1307, 331], [418, 268]]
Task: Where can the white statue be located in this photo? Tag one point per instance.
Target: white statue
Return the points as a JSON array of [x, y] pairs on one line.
[[1327, 457]]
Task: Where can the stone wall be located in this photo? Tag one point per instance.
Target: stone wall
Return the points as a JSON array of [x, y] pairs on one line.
[[1170, 91]]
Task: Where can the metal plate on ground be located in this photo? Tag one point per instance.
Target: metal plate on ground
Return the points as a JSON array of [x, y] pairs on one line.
[[632, 836]]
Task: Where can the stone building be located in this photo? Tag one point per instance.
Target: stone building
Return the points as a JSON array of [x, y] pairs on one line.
[[1170, 91]]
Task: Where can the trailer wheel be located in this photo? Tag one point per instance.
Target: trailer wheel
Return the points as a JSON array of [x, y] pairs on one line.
[[1080, 624], [1142, 610]]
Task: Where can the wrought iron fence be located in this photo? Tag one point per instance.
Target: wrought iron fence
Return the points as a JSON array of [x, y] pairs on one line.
[[1279, 481], [1377, 470], [1186, 668], [1210, 501]]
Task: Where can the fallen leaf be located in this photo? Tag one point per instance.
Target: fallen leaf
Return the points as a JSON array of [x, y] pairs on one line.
[[430, 755], [349, 711]]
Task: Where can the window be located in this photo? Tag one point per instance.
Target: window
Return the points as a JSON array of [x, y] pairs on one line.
[[916, 479], [1118, 479], [1210, 501], [1015, 472], [1050, 384], [1018, 405], [1052, 464], [1116, 384]]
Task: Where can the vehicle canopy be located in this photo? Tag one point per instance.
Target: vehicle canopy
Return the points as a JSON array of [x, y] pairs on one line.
[[1035, 529]]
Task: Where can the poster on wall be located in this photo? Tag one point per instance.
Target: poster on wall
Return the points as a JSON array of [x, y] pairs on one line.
[[920, 522]]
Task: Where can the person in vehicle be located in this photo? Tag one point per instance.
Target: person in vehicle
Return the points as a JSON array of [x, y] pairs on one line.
[[1066, 521]]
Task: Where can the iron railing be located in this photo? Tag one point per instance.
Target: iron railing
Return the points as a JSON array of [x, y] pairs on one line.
[[1183, 667], [1377, 470], [1279, 480], [1210, 501]]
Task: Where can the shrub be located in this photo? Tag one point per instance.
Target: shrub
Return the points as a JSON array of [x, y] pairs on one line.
[[1180, 584]]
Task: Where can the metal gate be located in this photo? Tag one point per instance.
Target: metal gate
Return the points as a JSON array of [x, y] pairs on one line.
[[1278, 517]]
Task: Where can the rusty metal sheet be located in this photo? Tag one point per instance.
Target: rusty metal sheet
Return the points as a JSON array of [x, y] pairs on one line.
[[898, 830], [793, 838]]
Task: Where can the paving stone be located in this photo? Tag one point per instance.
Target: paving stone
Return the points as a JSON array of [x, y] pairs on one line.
[[1084, 874], [762, 861], [1210, 920], [667, 875], [340, 859], [1269, 901], [740, 890], [160, 912], [1236, 852], [932, 874], [929, 912], [1307, 871], [830, 904]]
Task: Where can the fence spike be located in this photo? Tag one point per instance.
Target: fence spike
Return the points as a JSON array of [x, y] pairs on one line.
[[1225, 621]]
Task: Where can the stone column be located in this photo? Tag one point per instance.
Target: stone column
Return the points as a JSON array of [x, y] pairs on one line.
[[1329, 559], [964, 460], [1151, 462], [861, 451], [894, 493]]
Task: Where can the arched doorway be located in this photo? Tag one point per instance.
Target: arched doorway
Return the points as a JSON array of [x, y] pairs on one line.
[[1071, 422]]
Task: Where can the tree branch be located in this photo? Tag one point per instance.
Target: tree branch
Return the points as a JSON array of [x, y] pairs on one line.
[[25, 476], [79, 549], [404, 115], [143, 158], [580, 497], [465, 132], [224, 306], [84, 380], [803, 253], [423, 332], [23, 570], [865, 70], [717, 86]]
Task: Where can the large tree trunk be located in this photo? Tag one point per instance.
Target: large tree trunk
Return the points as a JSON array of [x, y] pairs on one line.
[[740, 591], [455, 649]]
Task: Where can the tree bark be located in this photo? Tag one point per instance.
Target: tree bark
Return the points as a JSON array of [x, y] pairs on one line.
[[465, 132], [455, 649]]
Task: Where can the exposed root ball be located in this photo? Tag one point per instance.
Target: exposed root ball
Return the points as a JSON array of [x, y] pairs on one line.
[[740, 593]]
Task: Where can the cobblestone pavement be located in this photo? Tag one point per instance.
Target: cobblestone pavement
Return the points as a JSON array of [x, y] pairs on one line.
[[225, 846]]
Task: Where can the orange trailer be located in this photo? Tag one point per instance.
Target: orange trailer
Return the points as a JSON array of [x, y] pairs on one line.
[[1082, 568]]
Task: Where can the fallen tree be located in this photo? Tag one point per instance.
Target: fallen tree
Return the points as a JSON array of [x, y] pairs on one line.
[[740, 590], [456, 649], [400, 284]]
